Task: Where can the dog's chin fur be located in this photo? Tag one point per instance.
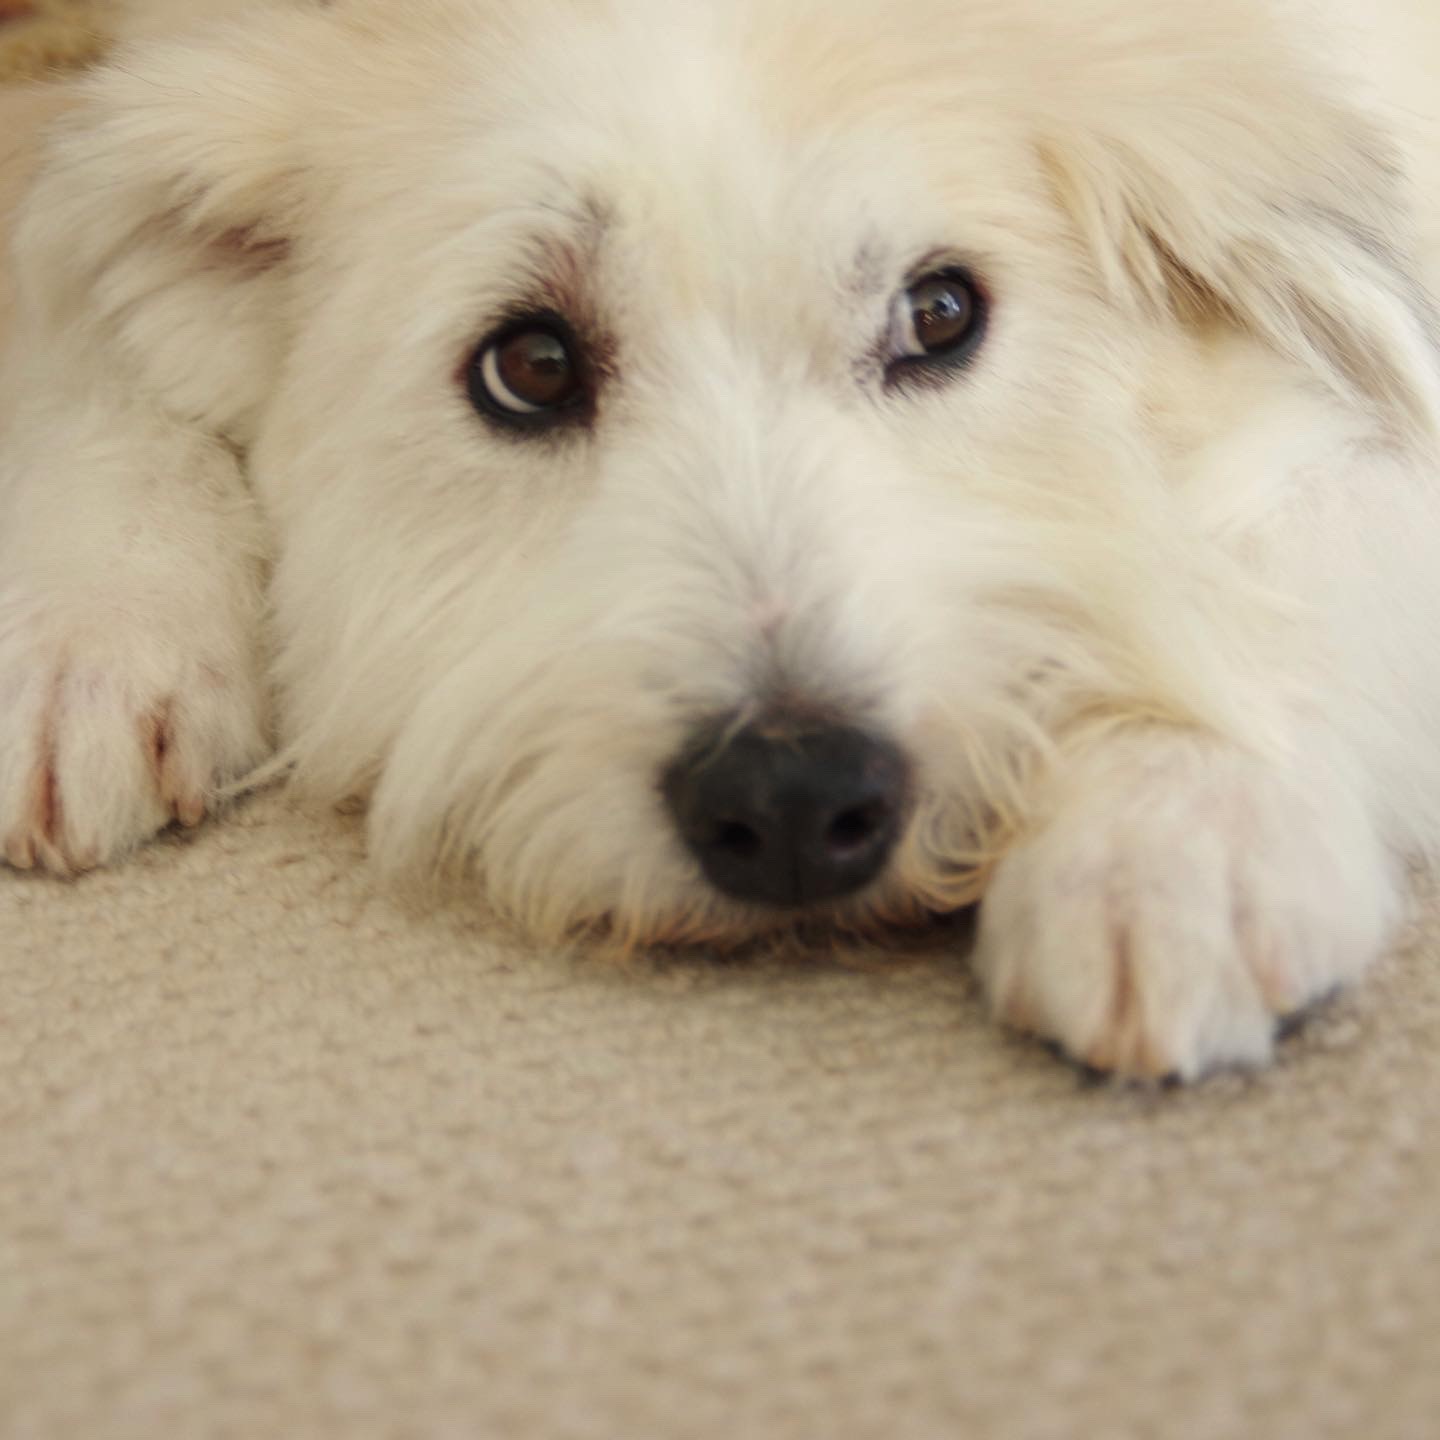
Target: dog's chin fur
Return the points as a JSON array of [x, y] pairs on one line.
[[1150, 578]]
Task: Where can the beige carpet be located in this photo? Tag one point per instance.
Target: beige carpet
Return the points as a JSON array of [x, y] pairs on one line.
[[278, 1159]]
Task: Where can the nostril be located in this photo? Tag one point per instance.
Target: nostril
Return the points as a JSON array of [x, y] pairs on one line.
[[855, 828], [737, 839], [785, 817]]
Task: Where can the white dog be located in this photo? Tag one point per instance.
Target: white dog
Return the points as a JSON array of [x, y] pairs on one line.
[[703, 467]]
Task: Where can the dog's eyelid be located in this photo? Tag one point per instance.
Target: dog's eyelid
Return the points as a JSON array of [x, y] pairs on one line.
[[944, 259]]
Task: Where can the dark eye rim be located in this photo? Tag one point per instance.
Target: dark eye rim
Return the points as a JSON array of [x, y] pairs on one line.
[[918, 371], [576, 410]]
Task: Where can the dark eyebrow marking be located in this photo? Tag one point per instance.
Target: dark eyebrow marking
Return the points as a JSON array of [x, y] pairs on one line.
[[870, 269]]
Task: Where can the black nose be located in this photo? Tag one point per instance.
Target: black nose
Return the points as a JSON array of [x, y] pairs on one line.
[[789, 819]]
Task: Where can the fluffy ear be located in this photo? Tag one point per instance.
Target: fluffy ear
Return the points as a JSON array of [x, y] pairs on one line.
[[1218, 171], [156, 237]]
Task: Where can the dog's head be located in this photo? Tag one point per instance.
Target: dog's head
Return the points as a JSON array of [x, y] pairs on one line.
[[716, 451]]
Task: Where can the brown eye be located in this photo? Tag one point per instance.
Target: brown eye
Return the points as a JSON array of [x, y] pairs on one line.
[[939, 318], [526, 372]]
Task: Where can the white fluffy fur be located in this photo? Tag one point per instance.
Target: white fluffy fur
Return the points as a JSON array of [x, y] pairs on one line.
[[1148, 594]]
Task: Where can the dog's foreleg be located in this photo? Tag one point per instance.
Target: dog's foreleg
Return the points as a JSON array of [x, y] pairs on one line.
[[1179, 900], [130, 592]]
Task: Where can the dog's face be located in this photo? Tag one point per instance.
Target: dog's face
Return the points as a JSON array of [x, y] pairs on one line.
[[796, 374], [717, 451]]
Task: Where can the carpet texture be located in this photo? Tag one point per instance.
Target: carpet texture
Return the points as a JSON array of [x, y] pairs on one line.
[[281, 1158]]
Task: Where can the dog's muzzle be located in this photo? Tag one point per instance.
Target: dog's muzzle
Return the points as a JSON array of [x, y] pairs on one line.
[[789, 819]]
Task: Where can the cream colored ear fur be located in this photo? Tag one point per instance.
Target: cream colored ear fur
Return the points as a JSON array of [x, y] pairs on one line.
[[160, 227], [1214, 177]]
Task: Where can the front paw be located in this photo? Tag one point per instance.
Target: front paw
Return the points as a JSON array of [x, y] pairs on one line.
[[1180, 901], [108, 733]]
